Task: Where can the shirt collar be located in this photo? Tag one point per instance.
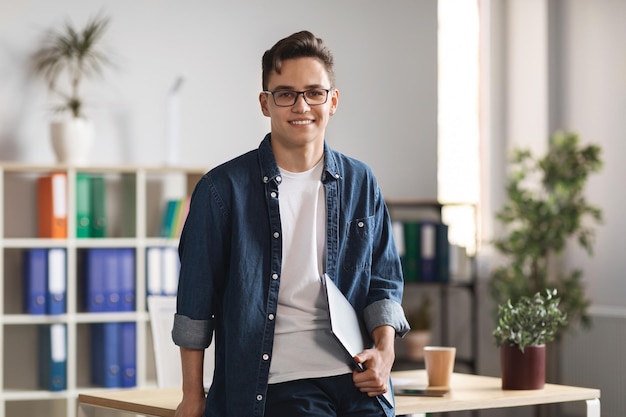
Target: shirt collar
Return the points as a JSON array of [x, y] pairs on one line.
[[270, 171]]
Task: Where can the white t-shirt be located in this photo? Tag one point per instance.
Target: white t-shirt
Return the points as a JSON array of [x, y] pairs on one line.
[[303, 344]]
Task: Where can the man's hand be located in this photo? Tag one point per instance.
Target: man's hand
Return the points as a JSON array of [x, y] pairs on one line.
[[191, 407], [377, 362]]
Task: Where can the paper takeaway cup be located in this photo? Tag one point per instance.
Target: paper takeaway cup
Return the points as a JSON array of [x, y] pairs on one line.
[[439, 364]]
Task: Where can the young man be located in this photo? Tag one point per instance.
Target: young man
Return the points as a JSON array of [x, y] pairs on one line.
[[262, 230]]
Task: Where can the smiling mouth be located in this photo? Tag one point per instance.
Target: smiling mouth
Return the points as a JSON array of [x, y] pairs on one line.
[[301, 122]]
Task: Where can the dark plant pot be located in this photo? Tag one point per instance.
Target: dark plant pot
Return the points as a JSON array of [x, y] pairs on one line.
[[521, 371]]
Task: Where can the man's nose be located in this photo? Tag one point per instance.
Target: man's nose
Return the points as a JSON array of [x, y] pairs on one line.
[[300, 103]]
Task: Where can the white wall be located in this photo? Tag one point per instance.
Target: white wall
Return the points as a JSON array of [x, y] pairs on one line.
[[586, 68], [386, 73], [577, 82], [594, 103]]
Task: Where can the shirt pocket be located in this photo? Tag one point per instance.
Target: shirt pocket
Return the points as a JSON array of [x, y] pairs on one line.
[[358, 244]]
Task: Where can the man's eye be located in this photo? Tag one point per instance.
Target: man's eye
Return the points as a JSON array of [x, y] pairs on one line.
[[284, 94], [315, 93]]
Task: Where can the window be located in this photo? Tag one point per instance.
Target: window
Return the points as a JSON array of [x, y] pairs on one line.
[[458, 124]]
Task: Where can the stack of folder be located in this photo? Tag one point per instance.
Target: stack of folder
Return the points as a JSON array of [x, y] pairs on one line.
[[44, 281], [425, 250], [174, 216], [90, 206], [113, 354], [52, 210], [109, 275], [162, 269], [109, 278]]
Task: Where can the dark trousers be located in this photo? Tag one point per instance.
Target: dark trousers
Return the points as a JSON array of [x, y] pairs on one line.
[[334, 396]]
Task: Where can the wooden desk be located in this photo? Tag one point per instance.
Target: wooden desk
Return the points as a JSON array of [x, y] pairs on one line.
[[468, 392]]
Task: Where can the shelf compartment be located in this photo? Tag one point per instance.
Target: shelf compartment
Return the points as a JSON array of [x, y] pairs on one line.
[[161, 188], [20, 202], [37, 407], [20, 350]]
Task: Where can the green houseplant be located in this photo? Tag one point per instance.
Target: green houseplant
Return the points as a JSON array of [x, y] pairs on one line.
[[523, 330], [547, 209], [531, 321], [420, 320], [65, 59]]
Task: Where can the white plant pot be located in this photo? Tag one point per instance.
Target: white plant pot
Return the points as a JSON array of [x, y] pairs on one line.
[[72, 140]]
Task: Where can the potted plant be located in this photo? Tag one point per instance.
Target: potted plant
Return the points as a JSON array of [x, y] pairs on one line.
[[65, 59], [420, 320], [523, 330], [546, 209]]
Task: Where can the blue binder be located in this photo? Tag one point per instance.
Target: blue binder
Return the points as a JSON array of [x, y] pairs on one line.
[[128, 355], [35, 270], [428, 251], [112, 280], [57, 278], [94, 279], [443, 253], [126, 263], [105, 355], [52, 353]]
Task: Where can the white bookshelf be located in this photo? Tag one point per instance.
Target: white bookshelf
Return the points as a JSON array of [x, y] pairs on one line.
[[134, 205]]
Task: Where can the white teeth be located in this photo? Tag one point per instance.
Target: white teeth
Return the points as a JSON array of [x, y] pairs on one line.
[[301, 122]]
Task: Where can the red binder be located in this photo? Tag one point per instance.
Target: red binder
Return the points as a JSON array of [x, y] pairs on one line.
[[52, 205]]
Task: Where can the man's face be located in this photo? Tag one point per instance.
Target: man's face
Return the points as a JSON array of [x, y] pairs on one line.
[[301, 124]]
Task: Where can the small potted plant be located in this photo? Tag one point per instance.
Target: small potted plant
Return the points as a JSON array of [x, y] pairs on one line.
[[65, 59], [420, 320], [523, 330]]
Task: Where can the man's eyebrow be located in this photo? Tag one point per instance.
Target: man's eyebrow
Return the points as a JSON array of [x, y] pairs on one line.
[[289, 87]]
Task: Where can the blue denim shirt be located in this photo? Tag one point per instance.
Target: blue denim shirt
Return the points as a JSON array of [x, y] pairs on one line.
[[230, 252]]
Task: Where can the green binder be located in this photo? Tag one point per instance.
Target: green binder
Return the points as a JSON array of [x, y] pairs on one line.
[[83, 205], [98, 206]]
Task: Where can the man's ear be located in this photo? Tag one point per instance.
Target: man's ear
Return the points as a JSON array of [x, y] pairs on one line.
[[263, 102], [334, 101]]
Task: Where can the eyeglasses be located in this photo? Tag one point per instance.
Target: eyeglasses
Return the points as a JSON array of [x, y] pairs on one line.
[[287, 98]]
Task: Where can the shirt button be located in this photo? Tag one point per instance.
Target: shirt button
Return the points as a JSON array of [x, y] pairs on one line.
[[360, 224], [273, 194], [336, 175], [279, 178], [276, 235], [266, 356], [259, 397], [271, 317], [265, 179], [274, 276]]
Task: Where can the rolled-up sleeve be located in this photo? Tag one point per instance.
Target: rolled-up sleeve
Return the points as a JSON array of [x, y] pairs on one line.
[[386, 313], [192, 334]]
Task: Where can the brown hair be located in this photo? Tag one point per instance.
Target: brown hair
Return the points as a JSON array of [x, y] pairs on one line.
[[299, 45]]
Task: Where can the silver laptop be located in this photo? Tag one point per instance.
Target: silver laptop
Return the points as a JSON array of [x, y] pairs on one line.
[[347, 327]]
